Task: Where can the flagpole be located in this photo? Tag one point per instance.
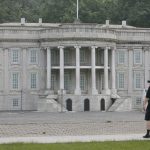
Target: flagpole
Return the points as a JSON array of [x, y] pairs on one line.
[[77, 9]]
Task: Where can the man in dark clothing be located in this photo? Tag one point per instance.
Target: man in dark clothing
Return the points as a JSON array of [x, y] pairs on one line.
[[147, 112]]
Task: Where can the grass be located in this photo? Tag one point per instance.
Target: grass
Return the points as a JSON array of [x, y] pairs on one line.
[[125, 145]]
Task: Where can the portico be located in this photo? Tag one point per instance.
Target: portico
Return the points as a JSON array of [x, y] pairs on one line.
[[87, 54]]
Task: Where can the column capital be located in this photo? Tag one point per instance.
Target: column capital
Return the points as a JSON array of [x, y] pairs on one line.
[[145, 48], [107, 47], [47, 48], [61, 47], [77, 46], [130, 48], [94, 47]]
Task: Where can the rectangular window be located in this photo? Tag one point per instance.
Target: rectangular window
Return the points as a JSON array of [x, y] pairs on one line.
[[33, 56], [66, 81], [33, 80], [53, 82], [138, 101], [137, 57], [121, 79], [137, 80], [15, 80], [55, 57], [121, 57], [15, 102], [82, 56], [82, 82], [15, 56], [66, 57]]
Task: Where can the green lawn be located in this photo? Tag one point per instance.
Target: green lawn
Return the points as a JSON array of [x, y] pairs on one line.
[[126, 145]]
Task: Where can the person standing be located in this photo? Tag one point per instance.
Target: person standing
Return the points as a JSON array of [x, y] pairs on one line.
[[147, 111]]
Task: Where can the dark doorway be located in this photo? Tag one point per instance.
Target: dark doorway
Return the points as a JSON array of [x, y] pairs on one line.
[[69, 104], [102, 105], [86, 105]]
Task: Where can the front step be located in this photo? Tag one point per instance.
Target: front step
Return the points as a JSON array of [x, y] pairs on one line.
[[50, 104], [122, 104]]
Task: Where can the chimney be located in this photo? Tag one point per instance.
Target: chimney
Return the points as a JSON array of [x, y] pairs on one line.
[[23, 21], [107, 23], [124, 23], [40, 21]]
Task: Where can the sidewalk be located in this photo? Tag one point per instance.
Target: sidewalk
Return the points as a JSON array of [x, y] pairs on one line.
[[34, 127], [68, 139]]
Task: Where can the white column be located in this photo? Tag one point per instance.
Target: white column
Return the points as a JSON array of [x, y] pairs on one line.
[[146, 66], [107, 91], [48, 68], [77, 90], [6, 72], [113, 72], [130, 71], [61, 67], [24, 73], [94, 90]]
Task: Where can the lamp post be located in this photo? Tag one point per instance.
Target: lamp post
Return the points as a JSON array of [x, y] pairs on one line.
[[61, 99], [21, 98]]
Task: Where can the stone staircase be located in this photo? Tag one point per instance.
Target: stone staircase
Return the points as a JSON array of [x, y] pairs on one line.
[[50, 103], [121, 104]]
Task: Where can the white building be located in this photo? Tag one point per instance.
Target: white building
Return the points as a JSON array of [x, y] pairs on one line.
[[75, 67]]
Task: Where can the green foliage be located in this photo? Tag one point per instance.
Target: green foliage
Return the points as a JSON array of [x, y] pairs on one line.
[[136, 12]]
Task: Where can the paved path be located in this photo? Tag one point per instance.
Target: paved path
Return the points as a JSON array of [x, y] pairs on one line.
[[58, 127]]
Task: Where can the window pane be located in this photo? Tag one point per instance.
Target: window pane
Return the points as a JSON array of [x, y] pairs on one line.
[[15, 80], [137, 57], [15, 56], [121, 80], [82, 82], [15, 102], [138, 80], [52, 82], [33, 55], [33, 80], [66, 81], [121, 57]]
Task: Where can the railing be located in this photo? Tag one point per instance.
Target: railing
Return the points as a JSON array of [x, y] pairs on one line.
[[70, 32]]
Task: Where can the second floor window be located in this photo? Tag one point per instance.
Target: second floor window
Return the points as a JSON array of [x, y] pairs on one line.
[[33, 56], [137, 57], [15, 56], [82, 56], [121, 57], [66, 57]]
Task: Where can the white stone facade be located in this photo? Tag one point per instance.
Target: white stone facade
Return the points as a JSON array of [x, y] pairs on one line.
[[82, 67]]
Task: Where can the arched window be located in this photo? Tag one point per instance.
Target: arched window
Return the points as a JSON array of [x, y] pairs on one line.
[[86, 105], [102, 104], [69, 104]]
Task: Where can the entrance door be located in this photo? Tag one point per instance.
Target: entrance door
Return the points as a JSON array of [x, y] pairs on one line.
[[86, 105], [69, 104], [102, 105]]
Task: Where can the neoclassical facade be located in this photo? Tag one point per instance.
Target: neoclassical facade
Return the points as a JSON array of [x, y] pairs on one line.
[[73, 66]]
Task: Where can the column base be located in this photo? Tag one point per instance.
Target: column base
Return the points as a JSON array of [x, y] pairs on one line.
[[49, 92], [77, 92], [94, 92], [106, 92], [113, 91], [61, 92], [114, 94]]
